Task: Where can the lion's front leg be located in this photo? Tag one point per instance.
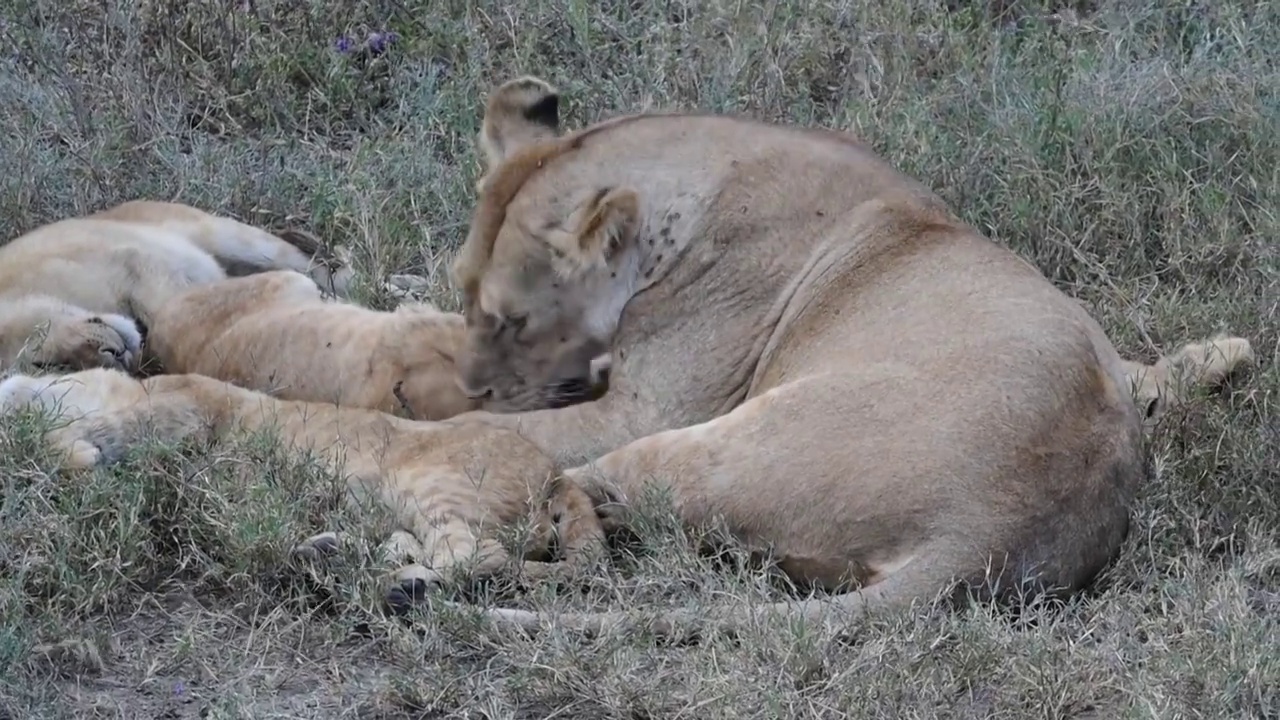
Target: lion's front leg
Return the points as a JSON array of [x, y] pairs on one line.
[[574, 435], [671, 462]]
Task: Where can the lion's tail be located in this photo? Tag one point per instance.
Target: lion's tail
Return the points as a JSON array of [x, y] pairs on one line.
[[918, 582], [1201, 365]]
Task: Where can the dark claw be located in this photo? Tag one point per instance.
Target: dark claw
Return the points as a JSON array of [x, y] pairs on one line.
[[326, 544], [416, 588], [398, 601], [402, 596]]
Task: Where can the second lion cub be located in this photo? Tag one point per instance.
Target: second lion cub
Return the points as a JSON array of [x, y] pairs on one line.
[[274, 332]]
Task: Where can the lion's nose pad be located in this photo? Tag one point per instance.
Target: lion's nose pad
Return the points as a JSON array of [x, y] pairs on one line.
[[473, 393]]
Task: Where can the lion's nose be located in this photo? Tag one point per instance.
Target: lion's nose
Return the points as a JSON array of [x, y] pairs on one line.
[[474, 393]]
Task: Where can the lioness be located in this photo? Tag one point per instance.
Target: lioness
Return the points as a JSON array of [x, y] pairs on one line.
[[276, 333], [446, 486], [74, 293], [808, 346]]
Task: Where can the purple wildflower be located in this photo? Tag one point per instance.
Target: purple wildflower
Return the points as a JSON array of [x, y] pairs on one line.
[[378, 41], [343, 44]]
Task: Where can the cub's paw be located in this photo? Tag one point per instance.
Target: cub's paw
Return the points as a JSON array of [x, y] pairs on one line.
[[318, 547], [83, 454], [609, 503], [410, 585]]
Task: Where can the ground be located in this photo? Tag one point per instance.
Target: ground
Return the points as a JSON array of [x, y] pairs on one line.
[[1129, 148]]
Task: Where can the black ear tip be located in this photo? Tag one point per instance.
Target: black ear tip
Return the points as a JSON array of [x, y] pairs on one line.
[[545, 112]]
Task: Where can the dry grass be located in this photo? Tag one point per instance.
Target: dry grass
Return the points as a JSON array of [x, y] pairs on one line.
[[1130, 151]]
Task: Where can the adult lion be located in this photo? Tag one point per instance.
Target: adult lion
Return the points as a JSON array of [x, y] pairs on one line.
[[275, 332], [73, 292], [449, 494], [808, 346]]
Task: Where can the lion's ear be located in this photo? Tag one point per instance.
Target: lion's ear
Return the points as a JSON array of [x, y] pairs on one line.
[[519, 112], [609, 220]]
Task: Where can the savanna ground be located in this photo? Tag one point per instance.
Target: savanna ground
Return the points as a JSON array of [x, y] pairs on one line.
[[1129, 150]]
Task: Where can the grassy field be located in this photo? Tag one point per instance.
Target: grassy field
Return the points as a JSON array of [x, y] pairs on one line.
[[1131, 152]]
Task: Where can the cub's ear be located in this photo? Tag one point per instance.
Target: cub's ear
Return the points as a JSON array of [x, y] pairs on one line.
[[519, 112]]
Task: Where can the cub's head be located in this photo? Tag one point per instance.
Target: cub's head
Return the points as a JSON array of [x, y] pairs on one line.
[[544, 269], [52, 335], [92, 341]]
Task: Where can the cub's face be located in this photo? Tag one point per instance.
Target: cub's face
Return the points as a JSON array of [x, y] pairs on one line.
[[90, 341], [541, 319]]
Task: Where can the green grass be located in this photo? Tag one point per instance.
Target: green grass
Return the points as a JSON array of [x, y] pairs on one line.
[[1132, 152]]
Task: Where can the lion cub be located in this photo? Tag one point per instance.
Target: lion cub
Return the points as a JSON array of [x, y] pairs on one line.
[[275, 333], [451, 486], [81, 292]]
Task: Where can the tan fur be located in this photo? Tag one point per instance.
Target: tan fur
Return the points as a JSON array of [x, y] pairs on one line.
[[1169, 383], [121, 265], [814, 351], [275, 333], [449, 492]]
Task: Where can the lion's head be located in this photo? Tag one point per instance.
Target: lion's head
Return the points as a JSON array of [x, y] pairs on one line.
[[539, 269]]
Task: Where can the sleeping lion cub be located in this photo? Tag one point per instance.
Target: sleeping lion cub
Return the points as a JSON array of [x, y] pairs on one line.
[[83, 291], [448, 487], [275, 333]]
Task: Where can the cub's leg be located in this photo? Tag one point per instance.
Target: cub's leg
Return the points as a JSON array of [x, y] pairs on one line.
[[444, 540], [238, 247], [454, 548], [579, 531], [452, 542]]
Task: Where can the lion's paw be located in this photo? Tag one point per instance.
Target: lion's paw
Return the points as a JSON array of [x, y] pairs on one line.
[[609, 502], [1230, 354]]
